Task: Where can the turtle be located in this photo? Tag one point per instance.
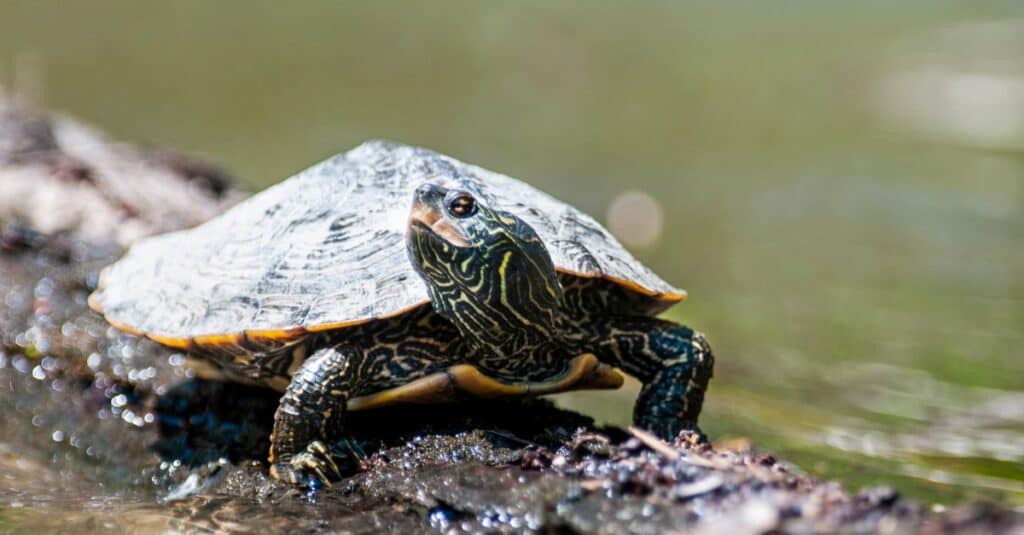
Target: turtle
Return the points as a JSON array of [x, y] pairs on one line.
[[394, 274]]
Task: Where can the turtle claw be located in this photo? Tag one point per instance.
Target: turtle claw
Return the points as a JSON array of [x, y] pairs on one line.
[[670, 429], [313, 468]]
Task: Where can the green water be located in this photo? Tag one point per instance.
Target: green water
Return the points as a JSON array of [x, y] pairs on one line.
[[841, 186]]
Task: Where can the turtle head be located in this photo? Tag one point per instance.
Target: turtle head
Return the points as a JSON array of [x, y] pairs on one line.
[[486, 270]]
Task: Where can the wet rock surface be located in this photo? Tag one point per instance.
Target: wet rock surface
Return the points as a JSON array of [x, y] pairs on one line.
[[102, 431]]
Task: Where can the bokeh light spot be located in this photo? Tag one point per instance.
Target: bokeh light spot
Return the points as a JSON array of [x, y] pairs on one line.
[[635, 217]]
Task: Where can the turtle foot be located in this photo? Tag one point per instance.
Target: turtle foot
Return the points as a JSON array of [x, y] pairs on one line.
[[669, 429], [313, 468]]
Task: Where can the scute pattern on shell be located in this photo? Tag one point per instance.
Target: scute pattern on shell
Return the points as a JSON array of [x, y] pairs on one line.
[[327, 247]]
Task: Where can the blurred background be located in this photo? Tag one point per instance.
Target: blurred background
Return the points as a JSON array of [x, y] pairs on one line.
[[840, 187]]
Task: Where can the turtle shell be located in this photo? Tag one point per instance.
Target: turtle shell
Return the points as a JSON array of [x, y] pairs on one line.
[[326, 249]]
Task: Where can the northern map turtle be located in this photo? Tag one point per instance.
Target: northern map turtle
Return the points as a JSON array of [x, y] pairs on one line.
[[395, 274]]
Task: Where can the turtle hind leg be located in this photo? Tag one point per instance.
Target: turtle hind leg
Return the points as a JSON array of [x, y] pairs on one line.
[[673, 362], [310, 416]]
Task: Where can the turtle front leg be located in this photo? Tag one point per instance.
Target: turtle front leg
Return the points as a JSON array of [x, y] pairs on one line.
[[311, 416], [673, 362]]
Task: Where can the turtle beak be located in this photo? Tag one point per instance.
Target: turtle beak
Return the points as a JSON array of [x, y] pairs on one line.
[[423, 216], [427, 215]]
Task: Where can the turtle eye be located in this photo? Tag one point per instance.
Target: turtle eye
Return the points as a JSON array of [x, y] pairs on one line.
[[462, 205]]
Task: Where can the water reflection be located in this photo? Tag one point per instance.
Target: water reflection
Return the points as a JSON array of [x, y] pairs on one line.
[[932, 423], [963, 84]]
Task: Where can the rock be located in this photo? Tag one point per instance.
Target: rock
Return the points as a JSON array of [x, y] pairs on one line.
[[58, 175]]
